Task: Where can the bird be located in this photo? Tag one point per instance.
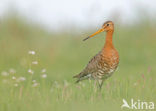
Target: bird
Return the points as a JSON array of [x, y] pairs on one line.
[[103, 64]]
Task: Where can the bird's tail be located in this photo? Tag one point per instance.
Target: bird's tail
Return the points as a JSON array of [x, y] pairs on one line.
[[78, 77], [81, 76]]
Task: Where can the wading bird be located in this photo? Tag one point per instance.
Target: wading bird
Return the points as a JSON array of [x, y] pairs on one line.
[[102, 65]]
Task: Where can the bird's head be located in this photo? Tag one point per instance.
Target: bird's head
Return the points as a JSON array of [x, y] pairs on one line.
[[107, 26]]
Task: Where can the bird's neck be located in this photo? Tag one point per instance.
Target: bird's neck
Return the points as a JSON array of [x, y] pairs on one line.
[[108, 40]]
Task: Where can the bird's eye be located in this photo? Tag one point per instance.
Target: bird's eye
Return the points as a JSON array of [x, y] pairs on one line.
[[107, 24]]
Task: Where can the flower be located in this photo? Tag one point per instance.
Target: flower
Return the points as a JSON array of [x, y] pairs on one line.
[[30, 71], [21, 78], [35, 62], [44, 75], [35, 84], [33, 81], [31, 52], [135, 84], [4, 73], [13, 77], [12, 71], [15, 84], [43, 70]]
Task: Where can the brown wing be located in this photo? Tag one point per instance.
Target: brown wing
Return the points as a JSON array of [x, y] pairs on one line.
[[91, 67]]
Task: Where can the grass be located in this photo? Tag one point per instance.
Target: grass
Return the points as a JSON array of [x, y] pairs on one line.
[[63, 55]]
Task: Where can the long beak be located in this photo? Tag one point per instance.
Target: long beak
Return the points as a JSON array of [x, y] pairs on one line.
[[101, 30]]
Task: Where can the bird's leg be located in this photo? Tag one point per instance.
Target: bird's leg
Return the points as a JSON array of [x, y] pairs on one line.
[[95, 85], [100, 82]]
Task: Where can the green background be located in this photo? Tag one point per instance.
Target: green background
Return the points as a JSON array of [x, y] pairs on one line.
[[63, 54]]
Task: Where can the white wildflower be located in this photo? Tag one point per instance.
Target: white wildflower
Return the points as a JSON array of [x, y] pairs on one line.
[[35, 84], [12, 71], [44, 75], [33, 81], [43, 70], [15, 84], [13, 77], [21, 78], [31, 52], [35, 62], [30, 71], [135, 84], [4, 73]]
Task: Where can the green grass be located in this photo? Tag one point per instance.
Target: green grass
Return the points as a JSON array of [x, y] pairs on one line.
[[65, 54]]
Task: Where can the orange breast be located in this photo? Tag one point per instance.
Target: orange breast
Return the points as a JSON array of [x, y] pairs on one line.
[[109, 60]]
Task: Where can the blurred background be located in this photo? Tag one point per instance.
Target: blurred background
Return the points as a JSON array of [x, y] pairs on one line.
[[54, 29], [60, 15]]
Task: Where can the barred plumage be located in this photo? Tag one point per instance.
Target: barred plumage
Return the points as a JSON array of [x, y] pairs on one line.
[[103, 65]]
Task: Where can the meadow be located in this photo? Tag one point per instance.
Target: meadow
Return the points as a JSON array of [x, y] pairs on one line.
[[37, 66]]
